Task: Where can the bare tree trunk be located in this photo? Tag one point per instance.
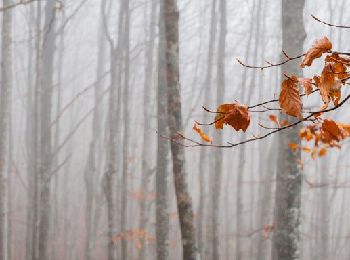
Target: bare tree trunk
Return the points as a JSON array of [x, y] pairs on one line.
[[126, 124], [35, 159], [217, 175], [184, 201], [6, 86], [288, 183], [30, 140], [45, 168], [204, 160], [162, 214], [91, 172], [147, 114]]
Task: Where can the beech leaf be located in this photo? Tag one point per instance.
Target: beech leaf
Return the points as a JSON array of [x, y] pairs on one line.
[[318, 48], [235, 115], [290, 100], [201, 134]]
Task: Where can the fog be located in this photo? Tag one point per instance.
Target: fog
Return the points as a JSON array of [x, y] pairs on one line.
[[98, 156]]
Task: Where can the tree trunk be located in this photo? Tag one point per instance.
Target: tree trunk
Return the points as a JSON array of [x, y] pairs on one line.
[[162, 214], [126, 124], [217, 174], [147, 114], [204, 157], [184, 201], [288, 182], [92, 170], [45, 125], [6, 86]]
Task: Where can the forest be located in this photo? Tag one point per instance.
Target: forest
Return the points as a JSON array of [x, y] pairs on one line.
[[174, 129]]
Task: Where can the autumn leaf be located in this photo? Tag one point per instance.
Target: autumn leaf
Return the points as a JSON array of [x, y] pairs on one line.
[[274, 119], [328, 85], [339, 65], [322, 152], [201, 134], [319, 47], [294, 147], [306, 134], [307, 84], [235, 115], [289, 99]]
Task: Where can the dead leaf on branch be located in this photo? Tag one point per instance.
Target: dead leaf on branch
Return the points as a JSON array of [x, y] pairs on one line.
[[307, 84], [201, 134], [235, 115], [290, 100], [318, 48], [329, 85]]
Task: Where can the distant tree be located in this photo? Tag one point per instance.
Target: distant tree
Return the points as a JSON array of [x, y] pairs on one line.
[[6, 87]]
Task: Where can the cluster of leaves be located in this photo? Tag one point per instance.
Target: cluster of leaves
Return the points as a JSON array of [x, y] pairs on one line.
[[324, 133], [136, 236]]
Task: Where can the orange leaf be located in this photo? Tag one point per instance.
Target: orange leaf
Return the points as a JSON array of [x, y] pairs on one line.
[[328, 85], [235, 115], [274, 119], [318, 48], [307, 84], [290, 100], [201, 134], [293, 147], [306, 134], [322, 152]]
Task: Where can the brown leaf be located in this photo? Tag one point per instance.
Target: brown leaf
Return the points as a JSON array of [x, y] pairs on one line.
[[235, 115], [294, 147], [201, 134], [322, 152], [331, 132], [274, 119], [290, 100], [328, 85], [318, 48], [307, 84]]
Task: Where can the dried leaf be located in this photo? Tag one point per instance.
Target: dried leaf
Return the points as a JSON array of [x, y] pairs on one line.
[[274, 119], [289, 99], [307, 84], [328, 85], [201, 134], [319, 47], [294, 147], [235, 115], [322, 152]]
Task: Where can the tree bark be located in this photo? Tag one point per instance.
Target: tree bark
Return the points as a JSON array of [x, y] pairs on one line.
[[184, 201], [217, 174], [288, 183], [6, 86]]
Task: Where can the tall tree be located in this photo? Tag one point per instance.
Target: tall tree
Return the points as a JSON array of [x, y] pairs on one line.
[[162, 214], [92, 165], [148, 90], [204, 155], [288, 183], [46, 155], [184, 200], [126, 122], [217, 178], [6, 86]]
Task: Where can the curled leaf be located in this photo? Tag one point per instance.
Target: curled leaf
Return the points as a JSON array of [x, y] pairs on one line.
[[318, 48], [235, 115], [307, 84], [290, 100], [201, 134]]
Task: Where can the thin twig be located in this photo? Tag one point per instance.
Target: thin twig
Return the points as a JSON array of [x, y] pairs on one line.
[[329, 24]]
